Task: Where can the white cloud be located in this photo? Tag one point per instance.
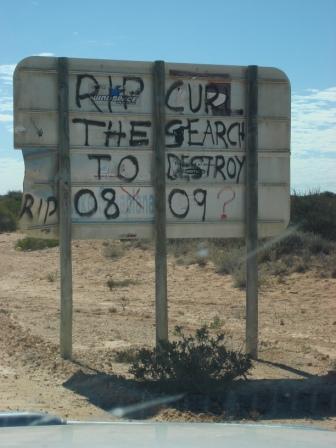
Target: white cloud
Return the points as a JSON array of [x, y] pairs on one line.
[[6, 73], [325, 95], [46, 53], [6, 91], [314, 121]]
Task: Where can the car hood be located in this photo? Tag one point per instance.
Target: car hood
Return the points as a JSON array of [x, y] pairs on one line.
[[165, 435]]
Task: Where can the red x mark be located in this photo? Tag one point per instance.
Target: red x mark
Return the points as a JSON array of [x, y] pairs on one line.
[[133, 196]]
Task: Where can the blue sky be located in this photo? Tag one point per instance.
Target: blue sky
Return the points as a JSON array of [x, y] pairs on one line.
[[295, 35]]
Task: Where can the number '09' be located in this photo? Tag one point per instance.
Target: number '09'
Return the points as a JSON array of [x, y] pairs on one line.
[[199, 196]]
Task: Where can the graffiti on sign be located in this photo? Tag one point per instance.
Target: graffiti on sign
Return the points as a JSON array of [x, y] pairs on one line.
[[125, 91], [111, 128]]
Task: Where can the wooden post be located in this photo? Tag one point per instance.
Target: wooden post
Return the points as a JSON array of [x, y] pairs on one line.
[[64, 200], [159, 176], [252, 212]]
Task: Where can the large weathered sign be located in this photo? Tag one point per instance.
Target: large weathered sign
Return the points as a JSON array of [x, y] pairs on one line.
[[111, 148]]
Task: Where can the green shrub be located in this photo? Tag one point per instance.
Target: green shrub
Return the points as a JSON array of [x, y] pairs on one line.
[[10, 204], [317, 245], [292, 243], [12, 200], [296, 243], [198, 363], [315, 212], [30, 244], [7, 220]]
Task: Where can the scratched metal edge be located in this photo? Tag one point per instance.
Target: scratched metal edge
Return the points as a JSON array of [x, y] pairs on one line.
[[146, 73]]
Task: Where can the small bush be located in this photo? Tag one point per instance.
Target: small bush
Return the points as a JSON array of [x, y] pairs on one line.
[[329, 266], [201, 261], [124, 301], [52, 276], [10, 204], [126, 356], [292, 243], [318, 245], [229, 261], [111, 283], [280, 268], [189, 251], [30, 244], [139, 244], [216, 323], [315, 212], [295, 253], [199, 363], [181, 247], [190, 259], [113, 250], [12, 201], [7, 220], [239, 277], [300, 267]]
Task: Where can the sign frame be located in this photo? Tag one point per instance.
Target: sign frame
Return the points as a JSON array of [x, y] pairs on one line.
[[169, 140]]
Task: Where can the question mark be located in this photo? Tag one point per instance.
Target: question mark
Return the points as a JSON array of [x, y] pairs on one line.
[[224, 215]]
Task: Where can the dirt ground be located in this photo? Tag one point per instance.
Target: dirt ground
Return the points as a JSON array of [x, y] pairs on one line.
[[297, 328]]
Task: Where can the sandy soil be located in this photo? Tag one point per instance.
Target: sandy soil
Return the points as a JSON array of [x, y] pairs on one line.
[[297, 327]]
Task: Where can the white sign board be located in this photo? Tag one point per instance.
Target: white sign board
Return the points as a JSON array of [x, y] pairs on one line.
[[111, 148]]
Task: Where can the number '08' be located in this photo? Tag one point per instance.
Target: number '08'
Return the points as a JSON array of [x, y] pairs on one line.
[[111, 210]]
